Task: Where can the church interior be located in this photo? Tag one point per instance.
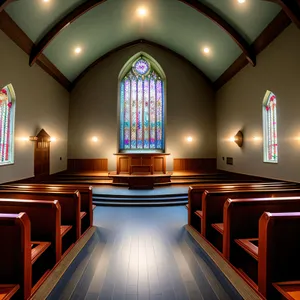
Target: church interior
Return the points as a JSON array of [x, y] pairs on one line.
[[149, 149]]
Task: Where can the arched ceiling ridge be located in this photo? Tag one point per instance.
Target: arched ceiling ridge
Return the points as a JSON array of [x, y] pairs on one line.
[[131, 44], [90, 4]]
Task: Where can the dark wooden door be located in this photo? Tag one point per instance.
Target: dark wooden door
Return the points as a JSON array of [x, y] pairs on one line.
[[42, 155]]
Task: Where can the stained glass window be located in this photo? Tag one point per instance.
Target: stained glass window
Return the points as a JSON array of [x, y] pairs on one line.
[[270, 128], [6, 125], [142, 108]]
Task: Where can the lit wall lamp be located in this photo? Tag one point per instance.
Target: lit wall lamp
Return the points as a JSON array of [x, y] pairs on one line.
[[189, 139], [239, 138], [33, 138]]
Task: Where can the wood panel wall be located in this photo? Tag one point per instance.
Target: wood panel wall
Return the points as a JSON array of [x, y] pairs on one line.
[[195, 164], [87, 164]]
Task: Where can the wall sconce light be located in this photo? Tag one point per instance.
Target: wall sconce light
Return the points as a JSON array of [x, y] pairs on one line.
[[239, 138], [94, 139], [52, 139], [189, 139], [33, 138]]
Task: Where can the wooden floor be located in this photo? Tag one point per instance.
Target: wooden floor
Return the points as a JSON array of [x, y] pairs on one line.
[[143, 253]]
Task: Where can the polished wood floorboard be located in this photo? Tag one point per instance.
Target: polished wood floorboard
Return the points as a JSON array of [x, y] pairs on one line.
[[142, 253]]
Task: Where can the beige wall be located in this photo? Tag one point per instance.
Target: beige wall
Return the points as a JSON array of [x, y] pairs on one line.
[[239, 106], [190, 109], [41, 103]]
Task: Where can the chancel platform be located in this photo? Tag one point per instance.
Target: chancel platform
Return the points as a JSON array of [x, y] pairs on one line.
[[141, 170]]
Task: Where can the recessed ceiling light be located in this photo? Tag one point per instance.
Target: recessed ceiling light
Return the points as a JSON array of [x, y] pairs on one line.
[[206, 50], [142, 11], [241, 1], [77, 50]]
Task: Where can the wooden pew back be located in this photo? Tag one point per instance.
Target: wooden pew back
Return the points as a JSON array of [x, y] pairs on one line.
[[86, 193], [279, 250], [195, 193], [213, 203], [45, 219], [69, 202], [241, 218], [15, 252]]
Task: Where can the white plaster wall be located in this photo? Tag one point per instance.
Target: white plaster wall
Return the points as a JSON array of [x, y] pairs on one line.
[[239, 106], [41, 102], [190, 109]]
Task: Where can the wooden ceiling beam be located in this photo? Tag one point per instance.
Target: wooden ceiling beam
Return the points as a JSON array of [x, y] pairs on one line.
[[270, 33], [60, 25], [291, 8], [89, 4], [213, 16], [4, 3], [16, 34]]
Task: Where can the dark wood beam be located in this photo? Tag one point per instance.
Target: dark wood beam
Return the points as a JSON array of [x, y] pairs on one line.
[[131, 44], [4, 3], [279, 23], [88, 5], [213, 16], [17, 35], [291, 8], [64, 22]]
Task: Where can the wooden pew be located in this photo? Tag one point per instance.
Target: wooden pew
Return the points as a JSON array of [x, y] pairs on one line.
[[195, 196], [278, 257], [213, 203], [69, 202], [241, 223], [45, 229], [15, 255], [86, 192], [19, 255]]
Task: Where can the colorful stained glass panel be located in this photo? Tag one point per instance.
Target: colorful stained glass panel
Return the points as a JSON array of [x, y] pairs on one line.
[[141, 108], [270, 128], [6, 127]]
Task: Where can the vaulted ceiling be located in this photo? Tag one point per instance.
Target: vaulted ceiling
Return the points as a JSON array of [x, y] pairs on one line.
[[186, 27]]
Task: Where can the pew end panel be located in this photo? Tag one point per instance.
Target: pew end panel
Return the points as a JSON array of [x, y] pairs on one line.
[[194, 204], [15, 253], [279, 250]]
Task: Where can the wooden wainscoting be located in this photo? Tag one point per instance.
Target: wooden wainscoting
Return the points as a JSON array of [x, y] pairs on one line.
[[195, 164], [88, 164]]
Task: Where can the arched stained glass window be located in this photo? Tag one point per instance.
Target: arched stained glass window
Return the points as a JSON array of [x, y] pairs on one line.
[[270, 128], [142, 107], [7, 110]]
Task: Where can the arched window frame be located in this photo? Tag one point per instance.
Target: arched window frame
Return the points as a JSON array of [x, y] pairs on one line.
[[159, 71], [7, 124], [270, 138]]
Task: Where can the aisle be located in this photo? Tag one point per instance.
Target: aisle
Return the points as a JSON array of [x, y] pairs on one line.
[[142, 253]]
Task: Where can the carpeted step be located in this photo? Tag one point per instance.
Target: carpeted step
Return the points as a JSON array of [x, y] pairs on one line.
[[139, 203]]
